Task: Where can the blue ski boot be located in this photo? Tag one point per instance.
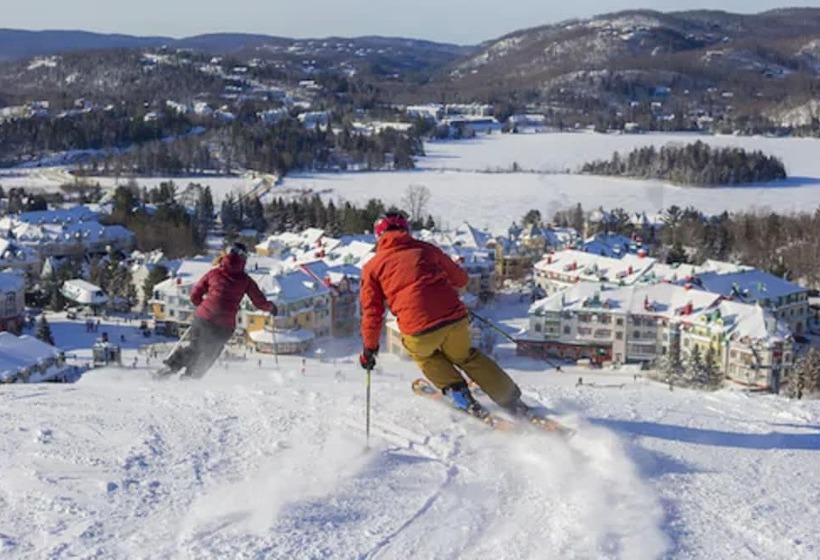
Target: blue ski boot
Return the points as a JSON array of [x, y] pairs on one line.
[[463, 399]]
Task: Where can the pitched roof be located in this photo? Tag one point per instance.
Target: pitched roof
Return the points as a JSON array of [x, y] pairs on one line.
[[749, 285], [743, 320], [595, 268], [290, 286], [10, 282]]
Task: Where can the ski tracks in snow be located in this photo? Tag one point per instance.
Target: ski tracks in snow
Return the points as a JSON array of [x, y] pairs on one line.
[[271, 468]]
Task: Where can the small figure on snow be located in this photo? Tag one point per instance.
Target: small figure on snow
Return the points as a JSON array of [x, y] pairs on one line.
[[419, 283], [216, 296]]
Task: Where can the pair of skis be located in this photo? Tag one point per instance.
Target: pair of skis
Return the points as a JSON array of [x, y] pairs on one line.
[[534, 418]]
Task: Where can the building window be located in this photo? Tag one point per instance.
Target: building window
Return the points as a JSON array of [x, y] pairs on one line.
[[619, 322], [11, 304], [636, 334], [566, 330], [619, 335]]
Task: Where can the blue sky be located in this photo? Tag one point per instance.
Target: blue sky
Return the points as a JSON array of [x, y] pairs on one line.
[[451, 21]]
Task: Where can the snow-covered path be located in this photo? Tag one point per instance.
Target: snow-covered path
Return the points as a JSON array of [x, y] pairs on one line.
[[270, 463]]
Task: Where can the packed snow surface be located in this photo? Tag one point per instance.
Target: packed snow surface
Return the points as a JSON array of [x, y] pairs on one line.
[[271, 462]]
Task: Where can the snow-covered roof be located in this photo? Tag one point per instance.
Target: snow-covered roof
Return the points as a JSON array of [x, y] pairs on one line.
[[59, 216], [723, 267], [350, 252], [749, 285], [91, 232], [290, 287], [188, 273], [291, 336], [26, 348], [322, 270], [671, 273], [666, 300], [83, 292], [595, 268], [10, 282], [573, 295], [611, 245], [743, 321]]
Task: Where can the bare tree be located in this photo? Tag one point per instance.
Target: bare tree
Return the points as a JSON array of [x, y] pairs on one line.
[[415, 201]]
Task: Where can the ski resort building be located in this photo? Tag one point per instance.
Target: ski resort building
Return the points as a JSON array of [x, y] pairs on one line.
[[84, 293], [25, 359], [12, 301], [645, 323]]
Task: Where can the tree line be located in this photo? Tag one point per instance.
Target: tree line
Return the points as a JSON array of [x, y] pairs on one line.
[[693, 164], [281, 215]]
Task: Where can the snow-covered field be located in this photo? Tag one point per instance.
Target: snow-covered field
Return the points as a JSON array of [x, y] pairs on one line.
[[456, 173], [269, 460], [271, 463]]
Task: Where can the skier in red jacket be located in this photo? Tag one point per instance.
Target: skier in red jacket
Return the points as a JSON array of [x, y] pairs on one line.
[[420, 284], [217, 296]]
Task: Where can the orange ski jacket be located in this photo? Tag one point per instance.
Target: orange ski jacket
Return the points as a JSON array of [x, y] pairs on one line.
[[418, 282]]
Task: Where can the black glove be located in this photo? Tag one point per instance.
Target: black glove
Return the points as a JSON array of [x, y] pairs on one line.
[[367, 359]]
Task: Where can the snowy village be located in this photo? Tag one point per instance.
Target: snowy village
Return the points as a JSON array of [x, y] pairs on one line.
[[593, 300]]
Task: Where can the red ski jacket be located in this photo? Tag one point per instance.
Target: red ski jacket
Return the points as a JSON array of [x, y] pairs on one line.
[[417, 280], [218, 294]]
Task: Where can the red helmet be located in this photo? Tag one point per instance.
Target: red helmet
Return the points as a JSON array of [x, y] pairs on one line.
[[390, 221]]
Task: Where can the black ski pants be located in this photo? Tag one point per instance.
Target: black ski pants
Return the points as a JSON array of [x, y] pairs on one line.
[[205, 342]]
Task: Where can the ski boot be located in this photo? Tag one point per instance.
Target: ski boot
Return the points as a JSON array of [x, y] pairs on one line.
[[164, 372], [463, 399], [518, 409]]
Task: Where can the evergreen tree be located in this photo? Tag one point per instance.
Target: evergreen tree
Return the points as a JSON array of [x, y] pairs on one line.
[[694, 366], [230, 214], [712, 374], [156, 275], [44, 331]]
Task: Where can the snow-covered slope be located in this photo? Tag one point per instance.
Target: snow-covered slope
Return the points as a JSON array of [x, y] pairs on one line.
[[271, 462]]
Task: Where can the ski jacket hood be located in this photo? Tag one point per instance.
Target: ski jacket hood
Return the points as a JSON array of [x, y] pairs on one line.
[[233, 264], [417, 282]]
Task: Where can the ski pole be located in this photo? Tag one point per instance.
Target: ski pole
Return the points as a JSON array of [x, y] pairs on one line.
[[493, 326], [367, 408], [275, 345], [505, 334]]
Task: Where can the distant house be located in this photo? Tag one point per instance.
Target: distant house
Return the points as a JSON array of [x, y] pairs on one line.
[[475, 124], [302, 302], [343, 282], [275, 341], [83, 293], [171, 304], [25, 359], [527, 123]]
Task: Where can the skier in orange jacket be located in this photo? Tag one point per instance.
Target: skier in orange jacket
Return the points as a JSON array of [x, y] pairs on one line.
[[420, 284]]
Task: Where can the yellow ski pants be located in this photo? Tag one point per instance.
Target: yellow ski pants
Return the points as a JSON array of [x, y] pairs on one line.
[[438, 353]]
